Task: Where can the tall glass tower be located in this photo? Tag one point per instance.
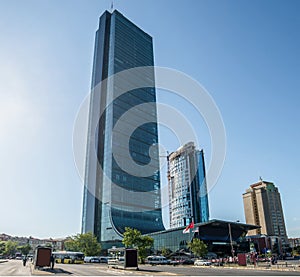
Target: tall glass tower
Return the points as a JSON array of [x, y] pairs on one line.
[[188, 199], [118, 193]]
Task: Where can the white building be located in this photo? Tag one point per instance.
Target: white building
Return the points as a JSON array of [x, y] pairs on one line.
[[188, 200]]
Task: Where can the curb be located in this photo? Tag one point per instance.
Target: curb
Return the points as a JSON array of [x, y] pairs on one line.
[[3, 261], [261, 268]]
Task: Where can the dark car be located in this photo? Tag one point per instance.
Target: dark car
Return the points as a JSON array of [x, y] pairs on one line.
[[103, 259], [182, 262], [187, 261]]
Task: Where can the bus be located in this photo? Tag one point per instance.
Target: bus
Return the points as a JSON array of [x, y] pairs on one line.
[[68, 257]]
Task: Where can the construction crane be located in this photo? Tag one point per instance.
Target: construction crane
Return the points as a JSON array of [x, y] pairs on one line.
[[168, 163]]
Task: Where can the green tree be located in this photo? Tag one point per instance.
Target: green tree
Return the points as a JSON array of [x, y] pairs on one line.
[[2, 247], [10, 248], [25, 249], [296, 251], [134, 238], [198, 247], [144, 247], [71, 244], [165, 251], [86, 243]]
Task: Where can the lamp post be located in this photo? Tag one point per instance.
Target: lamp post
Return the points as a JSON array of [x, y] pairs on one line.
[[230, 237]]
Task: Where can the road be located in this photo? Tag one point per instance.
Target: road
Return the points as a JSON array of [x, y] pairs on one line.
[[15, 268]]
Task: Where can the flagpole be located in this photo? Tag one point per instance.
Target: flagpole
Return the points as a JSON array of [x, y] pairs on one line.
[[190, 242]]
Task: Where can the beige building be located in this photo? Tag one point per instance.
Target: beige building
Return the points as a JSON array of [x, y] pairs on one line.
[[262, 206]]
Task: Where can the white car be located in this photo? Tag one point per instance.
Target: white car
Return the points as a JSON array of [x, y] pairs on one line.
[[202, 262], [87, 259], [157, 260]]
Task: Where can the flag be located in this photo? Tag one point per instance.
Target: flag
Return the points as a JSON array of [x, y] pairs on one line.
[[190, 226]]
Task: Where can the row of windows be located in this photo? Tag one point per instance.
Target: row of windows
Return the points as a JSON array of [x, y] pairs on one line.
[[132, 39], [125, 23], [135, 96]]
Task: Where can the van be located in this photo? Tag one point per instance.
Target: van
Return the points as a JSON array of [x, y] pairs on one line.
[[157, 260]]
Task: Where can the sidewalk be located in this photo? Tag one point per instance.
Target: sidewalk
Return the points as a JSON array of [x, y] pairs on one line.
[[3, 261], [277, 267]]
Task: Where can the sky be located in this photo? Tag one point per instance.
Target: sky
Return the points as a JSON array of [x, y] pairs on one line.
[[244, 53]]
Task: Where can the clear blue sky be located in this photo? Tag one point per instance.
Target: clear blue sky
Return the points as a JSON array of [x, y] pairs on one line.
[[245, 53]]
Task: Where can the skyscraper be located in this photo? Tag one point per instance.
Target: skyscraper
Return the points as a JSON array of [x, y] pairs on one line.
[[117, 195], [262, 206], [188, 199]]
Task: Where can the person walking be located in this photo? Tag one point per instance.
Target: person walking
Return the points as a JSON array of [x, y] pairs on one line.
[[24, 260], [52, 261]]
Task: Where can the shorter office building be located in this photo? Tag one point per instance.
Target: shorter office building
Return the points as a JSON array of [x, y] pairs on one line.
[[262, 206], [263, 244], [221, 237], [294, 242]]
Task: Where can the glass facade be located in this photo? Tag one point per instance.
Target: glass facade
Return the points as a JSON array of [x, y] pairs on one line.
[[213, 232], [188, 199], [115, 198]]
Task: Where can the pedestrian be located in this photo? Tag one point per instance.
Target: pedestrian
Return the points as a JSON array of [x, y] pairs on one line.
[[52, 261], [24, 260]]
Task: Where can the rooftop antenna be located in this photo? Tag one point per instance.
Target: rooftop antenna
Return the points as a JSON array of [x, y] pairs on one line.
[[112, 6]]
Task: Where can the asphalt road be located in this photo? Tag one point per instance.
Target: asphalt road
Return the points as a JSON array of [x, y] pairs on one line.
[[15, 268]]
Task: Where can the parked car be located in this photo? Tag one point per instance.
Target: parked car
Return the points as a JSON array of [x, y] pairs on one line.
[[182, 262], [157, 260], [103, 259], [202, 262], [94, 260], [87, 259], [187, 261]]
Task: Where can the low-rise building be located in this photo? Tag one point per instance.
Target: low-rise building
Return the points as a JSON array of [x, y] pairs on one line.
[[294, 242]]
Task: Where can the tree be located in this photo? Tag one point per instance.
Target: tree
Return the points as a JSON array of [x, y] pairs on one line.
[[10, 248], [86, 243], [198, 247], [71, 244], [144, 247], [296, 251], [134, 238], [2, 247], [25, 249], [165, 251]]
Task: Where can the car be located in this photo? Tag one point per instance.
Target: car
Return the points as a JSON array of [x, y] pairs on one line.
[[183, 261], [87, 259], [103, 259], [175, 262], [157, 260], [94, 260], [202, 262], [187, 261]]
